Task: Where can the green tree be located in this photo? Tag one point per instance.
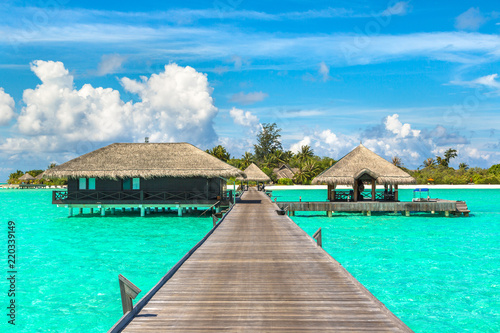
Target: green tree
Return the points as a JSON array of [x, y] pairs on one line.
[[246, 160], [51, 165], [449, 154], [463, 166], [268, 141], [305, 153], [219, 152], [429, 162], [396, 160]]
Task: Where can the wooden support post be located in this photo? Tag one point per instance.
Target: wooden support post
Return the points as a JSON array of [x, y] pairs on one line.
[[214, 219], [80, 211], [103, 211], [396, 192], [113, 211], [355, 190], [179, 210], [169, 209], [292, 213], [142, 211], [128, 291], [123, 210], [190, 209], [148, 210], [374, 188], [447, 213], [368, 213], [156, 209], [329, 213], [70, 211], [317, 237], [163, 209], [407, 213]]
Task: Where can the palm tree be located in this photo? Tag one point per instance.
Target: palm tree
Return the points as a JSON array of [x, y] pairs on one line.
[[463, 166], [429, 162], [246, 160], [219, 152], [449, 154], [305, 153], [397, 161]]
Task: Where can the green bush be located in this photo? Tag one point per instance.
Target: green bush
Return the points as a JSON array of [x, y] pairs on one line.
[[285, 181]]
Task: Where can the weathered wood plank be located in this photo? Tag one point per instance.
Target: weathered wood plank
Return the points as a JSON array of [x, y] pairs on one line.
[[260, 272]]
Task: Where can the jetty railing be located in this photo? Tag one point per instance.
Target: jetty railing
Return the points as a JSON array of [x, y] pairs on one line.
[[61, 197], [348, 195]]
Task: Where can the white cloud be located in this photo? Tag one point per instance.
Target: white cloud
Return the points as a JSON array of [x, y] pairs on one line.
[[250, 98], [394, 125], [7, 107], [175, 105], [488, 81], [472, 19], [324, 71], [110, 63], [306, 141], [400, 8], [243, 118]]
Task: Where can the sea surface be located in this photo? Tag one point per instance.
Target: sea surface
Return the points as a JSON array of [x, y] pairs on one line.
[[437, 274]]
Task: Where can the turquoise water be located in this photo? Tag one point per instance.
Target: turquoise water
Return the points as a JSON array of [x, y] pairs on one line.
[[437, 274], [68, 268]]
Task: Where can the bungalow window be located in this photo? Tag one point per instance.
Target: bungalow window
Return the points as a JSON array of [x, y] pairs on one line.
[[131, 183], [86, 184], [91, 183]]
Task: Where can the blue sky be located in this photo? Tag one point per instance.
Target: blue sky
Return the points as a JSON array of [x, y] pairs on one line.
[[408, 78]]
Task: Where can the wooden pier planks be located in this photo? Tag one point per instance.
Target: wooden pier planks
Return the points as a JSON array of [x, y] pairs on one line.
[[259, 272]]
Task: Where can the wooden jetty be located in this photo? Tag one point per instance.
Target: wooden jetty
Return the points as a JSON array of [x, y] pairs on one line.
[[257, 271], [405, 207]]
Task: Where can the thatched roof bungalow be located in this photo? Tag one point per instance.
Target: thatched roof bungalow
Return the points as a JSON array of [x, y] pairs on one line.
[[363, 166], [285, 171], [254, 174], [162, 172], [27, 178]]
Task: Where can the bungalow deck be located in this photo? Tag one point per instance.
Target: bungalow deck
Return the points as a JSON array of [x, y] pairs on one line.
[[367, 207]]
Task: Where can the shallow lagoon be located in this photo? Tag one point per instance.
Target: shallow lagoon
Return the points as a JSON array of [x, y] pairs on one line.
[[435, 273]]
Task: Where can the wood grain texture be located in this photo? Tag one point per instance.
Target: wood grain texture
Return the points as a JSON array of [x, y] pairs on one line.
[[259, 272]]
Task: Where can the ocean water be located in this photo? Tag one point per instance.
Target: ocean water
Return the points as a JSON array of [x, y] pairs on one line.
[[67, 268], [437, 274]]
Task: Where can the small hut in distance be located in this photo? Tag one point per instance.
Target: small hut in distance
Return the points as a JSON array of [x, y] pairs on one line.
[[362, 166], [253, 173], [26, 178]]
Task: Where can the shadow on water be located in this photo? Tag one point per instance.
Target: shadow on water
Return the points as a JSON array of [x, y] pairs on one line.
[[250, 201]]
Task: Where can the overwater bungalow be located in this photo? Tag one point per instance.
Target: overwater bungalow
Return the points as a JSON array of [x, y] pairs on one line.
[[363, 168], [254, 174], [144, 176], [285, 171], [26, 178]]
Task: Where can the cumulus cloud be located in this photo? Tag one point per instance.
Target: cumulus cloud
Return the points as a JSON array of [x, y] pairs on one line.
[[243, 118], [250, 98], [472, 19], [110, 63], [7, 106], [175, 105], [400, 8], [394, 125], [390, 138]]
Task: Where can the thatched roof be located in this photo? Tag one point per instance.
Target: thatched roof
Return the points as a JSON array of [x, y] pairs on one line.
[[255, 174], [26, 176], [362, 161], [285, 171], [40, 176], [145, 160]]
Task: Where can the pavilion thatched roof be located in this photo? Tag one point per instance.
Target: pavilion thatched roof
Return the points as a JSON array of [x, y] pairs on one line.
[[363, 161], [145, 160], [255, 174], [40, 176], [26, 176]]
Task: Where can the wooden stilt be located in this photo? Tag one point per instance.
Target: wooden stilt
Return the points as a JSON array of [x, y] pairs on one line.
[[179, 210], [156, 209], [70, 212], [374, 188], [368, 213], [407, 213], [329, 213], [142, 211], [447, 213], [113, 211], [103, 211], [80, 211]]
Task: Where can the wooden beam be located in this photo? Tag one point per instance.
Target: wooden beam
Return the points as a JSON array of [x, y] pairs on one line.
[[128, 292], [396, 194], [374, 187]]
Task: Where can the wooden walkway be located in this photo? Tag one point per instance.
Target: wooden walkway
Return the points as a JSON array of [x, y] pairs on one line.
[[260, 272]]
